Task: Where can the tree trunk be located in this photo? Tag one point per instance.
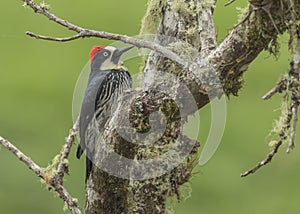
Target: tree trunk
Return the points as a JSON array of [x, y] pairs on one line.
[[129, 176]]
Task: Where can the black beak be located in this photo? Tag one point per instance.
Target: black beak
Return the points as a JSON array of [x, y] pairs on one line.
[[118, 53]]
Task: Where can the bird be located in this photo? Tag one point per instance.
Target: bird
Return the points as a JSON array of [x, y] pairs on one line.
[[107, 81]]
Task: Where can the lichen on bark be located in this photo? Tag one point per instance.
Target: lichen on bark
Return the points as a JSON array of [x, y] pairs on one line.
[[152, 17], [178, 26]]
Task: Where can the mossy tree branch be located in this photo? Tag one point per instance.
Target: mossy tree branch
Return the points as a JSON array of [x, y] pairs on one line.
[[198, 62], [52, 176], [285, 127], [184, 20]]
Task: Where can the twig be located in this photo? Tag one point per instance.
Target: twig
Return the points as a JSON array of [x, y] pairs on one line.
[[33, 166], [295, 72], [60, 189], [293, 128], [229, 2], [265, 161], [279, 87], [266, 8], [254, 6], [82, 33], [271, 93], [65, 39], [62, 166], [67, 198]]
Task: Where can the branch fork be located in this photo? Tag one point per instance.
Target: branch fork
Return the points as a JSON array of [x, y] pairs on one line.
[[225, 59]]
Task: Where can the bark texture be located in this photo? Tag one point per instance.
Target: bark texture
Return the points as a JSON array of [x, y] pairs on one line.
[[186, 27]]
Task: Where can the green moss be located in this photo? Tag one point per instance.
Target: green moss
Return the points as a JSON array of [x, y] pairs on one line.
[[45, 6], [158, 188], [192, 31], [243, 12], [280, 124], [274, 47], [260, 21], [205, 4], [151, 20], [50, 171], [259, 31], [185, 9], [66, 207], [293, 25], [233, 84], [185, 51]]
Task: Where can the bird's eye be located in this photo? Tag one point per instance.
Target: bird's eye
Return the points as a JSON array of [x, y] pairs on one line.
[[106, 54]]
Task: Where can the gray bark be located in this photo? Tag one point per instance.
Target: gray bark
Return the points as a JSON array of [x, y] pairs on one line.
[[190, 21]]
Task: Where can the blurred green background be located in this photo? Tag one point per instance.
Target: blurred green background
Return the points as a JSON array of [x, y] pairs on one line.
[[37, 80]]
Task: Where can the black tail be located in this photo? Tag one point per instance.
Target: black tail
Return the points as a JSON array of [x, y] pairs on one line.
[[89, 163], [89, 166], [79, 151]]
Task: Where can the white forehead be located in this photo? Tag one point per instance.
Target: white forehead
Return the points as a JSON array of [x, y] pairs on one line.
[[110, 48]]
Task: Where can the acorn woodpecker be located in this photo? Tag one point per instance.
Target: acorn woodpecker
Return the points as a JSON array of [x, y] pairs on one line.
[[107, 81]]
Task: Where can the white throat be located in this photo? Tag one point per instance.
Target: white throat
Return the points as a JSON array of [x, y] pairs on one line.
[[108, 64]]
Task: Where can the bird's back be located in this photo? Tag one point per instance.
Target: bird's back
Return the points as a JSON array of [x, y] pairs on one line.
[[102, 93]]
